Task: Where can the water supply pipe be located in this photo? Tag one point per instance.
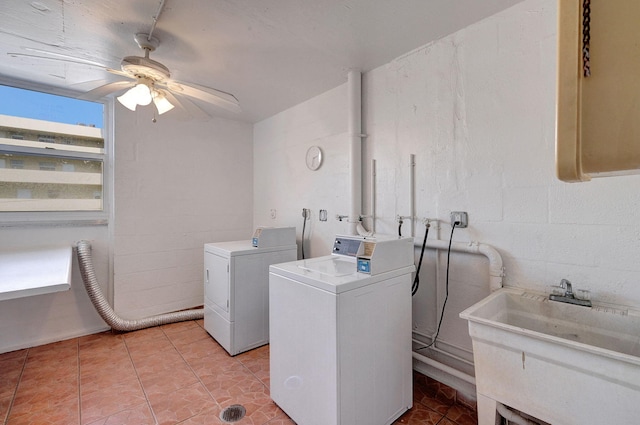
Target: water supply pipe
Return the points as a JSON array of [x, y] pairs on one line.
[[373, 196], [108, 314]]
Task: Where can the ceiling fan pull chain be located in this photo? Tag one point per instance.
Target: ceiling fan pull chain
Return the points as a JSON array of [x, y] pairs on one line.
[[586, 37]]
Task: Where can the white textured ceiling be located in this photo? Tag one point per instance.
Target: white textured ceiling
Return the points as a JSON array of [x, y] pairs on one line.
[[271, 54]]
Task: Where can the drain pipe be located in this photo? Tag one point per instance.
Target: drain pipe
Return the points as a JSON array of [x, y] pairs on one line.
[[496, 272], [106, 312], [445, 368], [512, 416], [496, 269]]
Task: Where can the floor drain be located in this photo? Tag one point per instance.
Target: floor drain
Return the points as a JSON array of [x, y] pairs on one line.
[[233, 413]]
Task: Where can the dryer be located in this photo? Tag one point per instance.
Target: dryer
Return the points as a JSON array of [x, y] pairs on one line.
[[236, 286], [340, 333]]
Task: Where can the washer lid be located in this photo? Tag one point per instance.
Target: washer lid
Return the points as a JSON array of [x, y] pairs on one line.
[[334, 265], [233, 248], [331, 273]]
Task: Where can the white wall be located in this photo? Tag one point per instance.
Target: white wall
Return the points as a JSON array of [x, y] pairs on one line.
[[477, 108], [41, 319], [178, 185], [282, 181]]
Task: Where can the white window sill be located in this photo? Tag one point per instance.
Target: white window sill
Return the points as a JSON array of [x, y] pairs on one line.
[[36, 271]]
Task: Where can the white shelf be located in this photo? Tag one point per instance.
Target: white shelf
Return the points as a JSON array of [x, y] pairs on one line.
[[35, 271]]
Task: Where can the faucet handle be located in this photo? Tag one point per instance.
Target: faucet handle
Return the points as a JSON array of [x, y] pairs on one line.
[[557, 290], [583, 294]]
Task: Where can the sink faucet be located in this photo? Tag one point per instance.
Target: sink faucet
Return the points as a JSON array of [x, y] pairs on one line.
[[569, 296], [565, 284]]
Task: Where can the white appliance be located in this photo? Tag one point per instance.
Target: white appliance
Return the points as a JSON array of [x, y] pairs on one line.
[[340, 349], [236, 288]]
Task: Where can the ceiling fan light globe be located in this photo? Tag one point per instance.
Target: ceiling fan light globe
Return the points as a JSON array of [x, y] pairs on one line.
[[128, 100], [142, 94], [138, 95], [162, 104]]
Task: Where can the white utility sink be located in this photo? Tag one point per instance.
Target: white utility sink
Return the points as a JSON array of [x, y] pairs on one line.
[[561, 363]]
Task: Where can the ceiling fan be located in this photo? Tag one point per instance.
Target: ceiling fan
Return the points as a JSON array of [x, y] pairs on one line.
[[148, 81]]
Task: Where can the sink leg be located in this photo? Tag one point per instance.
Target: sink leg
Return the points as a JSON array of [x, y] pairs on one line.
[[487, 412]]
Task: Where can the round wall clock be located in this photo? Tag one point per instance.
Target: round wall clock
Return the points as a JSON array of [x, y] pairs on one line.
[[314, 158]]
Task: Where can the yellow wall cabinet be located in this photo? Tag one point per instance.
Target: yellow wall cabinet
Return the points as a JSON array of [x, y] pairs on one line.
[[598, 116]]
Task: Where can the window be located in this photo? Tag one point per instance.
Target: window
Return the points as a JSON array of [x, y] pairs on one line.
[[17, 164], [47, 166], [50, 164], [46, 138]]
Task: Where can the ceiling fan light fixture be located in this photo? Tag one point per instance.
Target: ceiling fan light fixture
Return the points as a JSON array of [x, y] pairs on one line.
[[162, 103]]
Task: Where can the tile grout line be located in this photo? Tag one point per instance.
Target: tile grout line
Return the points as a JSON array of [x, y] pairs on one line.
[[249, 370], [15, 391], [236, 358], [78, 382], [135, 369], [192, 371]]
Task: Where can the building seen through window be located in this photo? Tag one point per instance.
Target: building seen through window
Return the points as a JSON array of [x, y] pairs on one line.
[[47, 165]]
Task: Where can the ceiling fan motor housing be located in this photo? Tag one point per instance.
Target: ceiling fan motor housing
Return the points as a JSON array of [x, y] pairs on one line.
[[145, 67]]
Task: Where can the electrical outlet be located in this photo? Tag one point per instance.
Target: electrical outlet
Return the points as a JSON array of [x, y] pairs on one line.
[[273, 214], [461, 217], [306, 213]]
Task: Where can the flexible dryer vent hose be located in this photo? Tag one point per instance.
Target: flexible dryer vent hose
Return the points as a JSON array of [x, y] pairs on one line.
[[105, 310]]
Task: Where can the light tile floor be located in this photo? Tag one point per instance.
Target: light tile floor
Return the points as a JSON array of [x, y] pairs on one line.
[[164, 375]]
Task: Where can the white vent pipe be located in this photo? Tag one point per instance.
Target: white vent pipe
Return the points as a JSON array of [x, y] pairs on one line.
[[354, 130]]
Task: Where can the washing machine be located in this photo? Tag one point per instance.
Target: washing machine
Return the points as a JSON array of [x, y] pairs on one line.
[[340, 333], [236, 286]]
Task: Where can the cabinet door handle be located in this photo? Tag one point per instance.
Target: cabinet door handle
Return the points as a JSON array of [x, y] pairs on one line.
[[207, 275]]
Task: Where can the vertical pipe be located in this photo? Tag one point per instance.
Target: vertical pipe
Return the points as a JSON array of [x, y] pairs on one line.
[[354, 129], [373, 195], [412, 193]]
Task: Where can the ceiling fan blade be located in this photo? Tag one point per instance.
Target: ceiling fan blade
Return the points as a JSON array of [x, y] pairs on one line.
[[63, 56], [121, 73], [59, 58], [105, 89], [190, 108], [206, 94]]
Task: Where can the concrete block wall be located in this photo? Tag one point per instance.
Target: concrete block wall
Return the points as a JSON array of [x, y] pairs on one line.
[[178, 185], [477, 108], [282, 181]]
